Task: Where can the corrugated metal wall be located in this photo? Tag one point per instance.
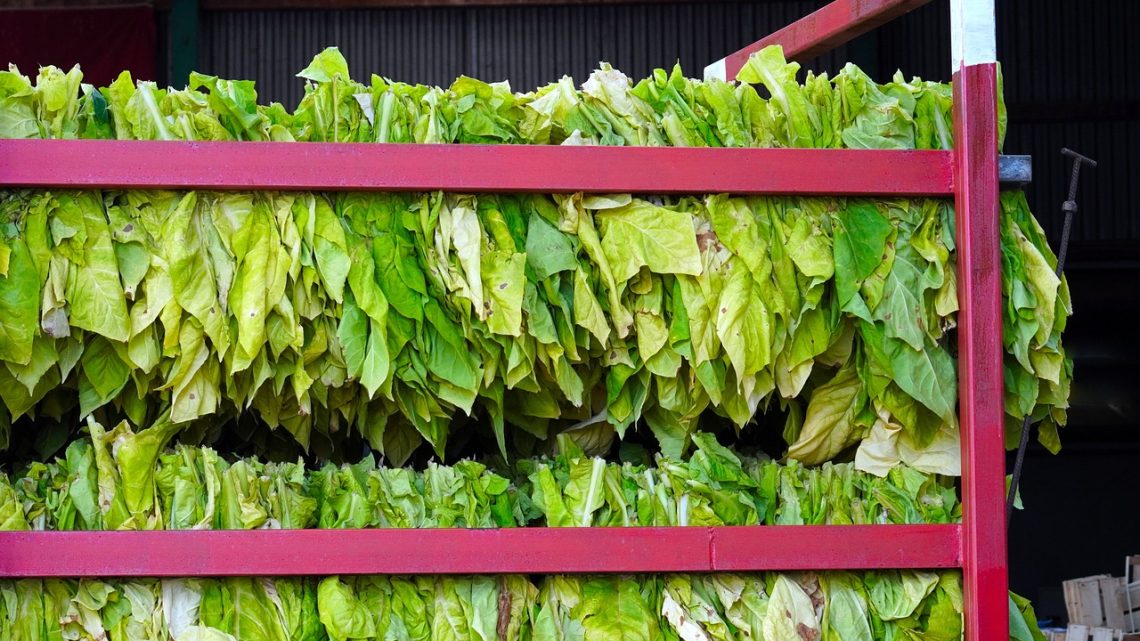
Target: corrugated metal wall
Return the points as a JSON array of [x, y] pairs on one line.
[[427, 45], [1078, 93], [530, 46]]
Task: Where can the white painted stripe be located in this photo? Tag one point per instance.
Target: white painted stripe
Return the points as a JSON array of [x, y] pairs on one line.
[[716, 70], [973, 38]]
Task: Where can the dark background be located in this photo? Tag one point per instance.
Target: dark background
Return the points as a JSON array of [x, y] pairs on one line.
[[1070, 81]]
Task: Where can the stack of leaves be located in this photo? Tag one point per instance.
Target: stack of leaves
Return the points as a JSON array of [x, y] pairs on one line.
[[849, 110], [1036, 309], [125, 480], [835, 606], [715, 486], [394, 316]]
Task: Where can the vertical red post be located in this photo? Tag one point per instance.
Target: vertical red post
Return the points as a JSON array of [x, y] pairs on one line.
[[985, 579]]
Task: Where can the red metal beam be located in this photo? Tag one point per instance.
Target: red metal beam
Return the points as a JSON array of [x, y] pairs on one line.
[[834, 24], [985, 580], [854, 547], [459, 551], [79, 164]]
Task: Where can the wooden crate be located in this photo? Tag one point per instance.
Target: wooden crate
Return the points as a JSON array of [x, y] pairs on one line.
[[1112, 603], [1083, 601], [1079, 632], [1103, 601], [1116, 597], [1130, 594]]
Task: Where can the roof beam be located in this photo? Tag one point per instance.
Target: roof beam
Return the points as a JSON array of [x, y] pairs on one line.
[[834, 24]]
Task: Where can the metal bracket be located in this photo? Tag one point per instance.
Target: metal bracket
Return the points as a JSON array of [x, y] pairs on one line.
[[1015, 171]]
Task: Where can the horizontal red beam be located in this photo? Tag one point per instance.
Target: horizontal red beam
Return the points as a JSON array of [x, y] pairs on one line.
[[459, 551], [837, 547], [116, 164], [834, 24]]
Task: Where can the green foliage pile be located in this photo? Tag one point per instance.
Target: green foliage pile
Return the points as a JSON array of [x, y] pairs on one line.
[[125, 480], [569, 318], [393, 316], [389, 315], [849, 110], [835, 606]]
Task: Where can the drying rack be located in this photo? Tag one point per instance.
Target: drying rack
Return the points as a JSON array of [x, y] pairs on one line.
[[969, 174]]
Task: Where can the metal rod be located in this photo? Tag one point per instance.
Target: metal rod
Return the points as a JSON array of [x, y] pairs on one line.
[[1070, 204], [1069, 207], [1018, 461]]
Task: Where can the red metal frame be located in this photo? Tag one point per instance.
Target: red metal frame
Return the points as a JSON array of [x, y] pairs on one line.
[[459, 551], [471, 168], [832, 25], [969, 173], [985, 580]]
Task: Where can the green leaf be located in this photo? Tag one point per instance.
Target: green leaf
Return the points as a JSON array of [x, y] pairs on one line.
[[104, 371], [642, 235], [19, 304], [353, 336], [903, 309], [809, 248], [743, 325], [504, 279], [846, 612], [881, 120], [1023, 620], [799, 116], [587, 311], [192, 274], [861, 233], [790, 615], [615, 609], [896, 595], [831, 424], [330, 250], [249, 298], [375, 368], [326, 66], [95, 293], [342, 614], [548, 251]]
